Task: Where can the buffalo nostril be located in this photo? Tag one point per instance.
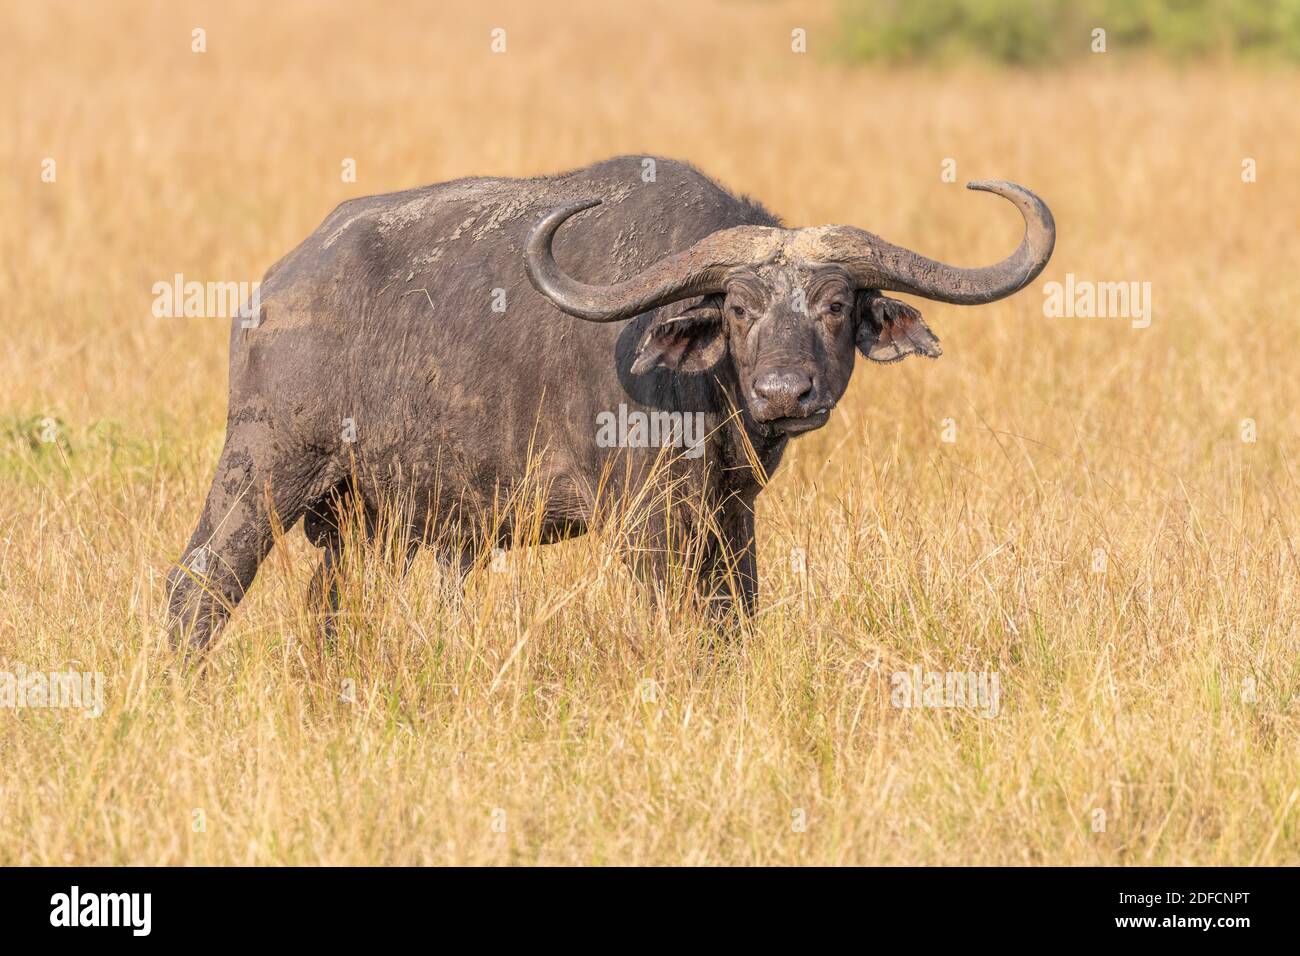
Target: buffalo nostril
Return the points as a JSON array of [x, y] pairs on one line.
[[785, 390]]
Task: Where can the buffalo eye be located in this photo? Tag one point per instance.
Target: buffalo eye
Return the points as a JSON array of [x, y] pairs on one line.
[[738, 311], [835, 308]]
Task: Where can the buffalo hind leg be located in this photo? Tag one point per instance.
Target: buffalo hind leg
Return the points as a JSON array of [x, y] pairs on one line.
[[323, 593], [454, 567], [234, 533], [324, 524]]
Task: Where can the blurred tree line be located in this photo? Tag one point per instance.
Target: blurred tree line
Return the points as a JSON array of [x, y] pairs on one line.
[[1036, 32]]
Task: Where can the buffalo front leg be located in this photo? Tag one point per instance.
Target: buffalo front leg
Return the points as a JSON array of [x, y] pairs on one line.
[[720, 564], [730, 569]]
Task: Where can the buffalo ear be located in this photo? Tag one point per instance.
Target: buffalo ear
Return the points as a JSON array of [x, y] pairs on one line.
[[890, 330], [693, 341]]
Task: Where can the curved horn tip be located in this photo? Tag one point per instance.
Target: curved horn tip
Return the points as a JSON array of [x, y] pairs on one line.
[[993, 185]]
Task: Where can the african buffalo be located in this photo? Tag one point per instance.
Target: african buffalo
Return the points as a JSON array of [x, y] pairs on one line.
[[435, 346]]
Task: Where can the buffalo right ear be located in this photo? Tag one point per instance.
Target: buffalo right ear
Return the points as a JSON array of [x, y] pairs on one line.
[[890, 330], [694, 341]]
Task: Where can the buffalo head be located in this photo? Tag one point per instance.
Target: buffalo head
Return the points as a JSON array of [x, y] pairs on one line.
[[788, 307]]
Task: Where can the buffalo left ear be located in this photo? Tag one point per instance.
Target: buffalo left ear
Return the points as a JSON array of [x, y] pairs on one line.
[[693, 341], [890, 330]]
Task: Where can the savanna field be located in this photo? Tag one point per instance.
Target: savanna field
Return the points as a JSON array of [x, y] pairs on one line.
[[1104, 516]]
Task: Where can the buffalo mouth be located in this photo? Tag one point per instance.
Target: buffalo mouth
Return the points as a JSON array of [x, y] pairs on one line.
[[797, 425]]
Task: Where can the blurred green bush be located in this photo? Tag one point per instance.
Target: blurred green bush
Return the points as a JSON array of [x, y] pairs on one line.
[[1038, 32]]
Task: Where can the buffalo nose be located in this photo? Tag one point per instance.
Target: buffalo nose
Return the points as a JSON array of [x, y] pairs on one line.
[[782, 393]]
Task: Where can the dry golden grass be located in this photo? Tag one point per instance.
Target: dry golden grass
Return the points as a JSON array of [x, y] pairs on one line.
[[1125, 691]]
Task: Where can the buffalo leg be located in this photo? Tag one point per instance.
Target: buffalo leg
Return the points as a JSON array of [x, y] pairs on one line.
[[721, 562], [323, 590], [730, 568], [454, 566], [234, 534]]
